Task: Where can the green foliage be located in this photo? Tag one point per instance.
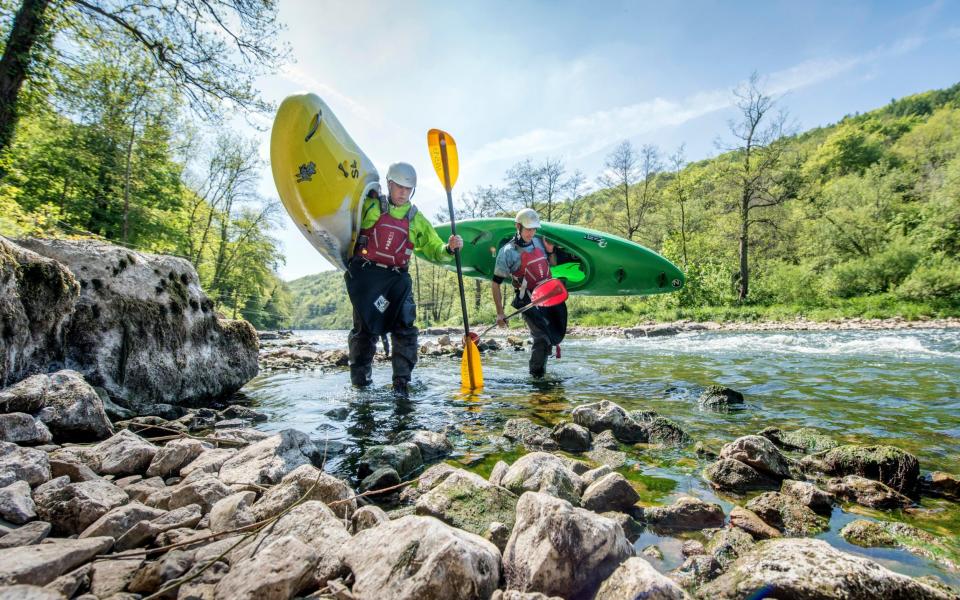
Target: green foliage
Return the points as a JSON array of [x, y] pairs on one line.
[[935, 279], [320, 302], [873, 274]]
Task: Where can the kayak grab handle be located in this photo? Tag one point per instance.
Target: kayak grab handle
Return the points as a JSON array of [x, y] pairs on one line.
[[314, 125]]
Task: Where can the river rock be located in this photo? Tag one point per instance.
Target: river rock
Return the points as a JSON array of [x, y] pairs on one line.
[[276, 572], [16, 505], [734, 476], [611, 458], [209, 461], [236, 411], [943, 485], [695, 571], [21, 428], [37, 296], [729, 544], [610, 492], [748, 521], [692, 548], [237, 437], [760, 453], [33, 532], [787, 514], [384, 478], [139, 491], [515, 595], [118, 520], [29, 592], [145, 531], [686, 513], [867, 492], [806, 568], [421, 558], [604, 415], [404, 458], [571, 437], [666, 432], [306, 481], [109, 577], [268, 460], [64, 402], [534, 437], [433, 446], [232, 512], [126, 453], [174, 455], [314, 524], [67, 584], [888, 464], [497, 472], [872, 534], [40, 564], [205, 492], [717, 397], [143, 328], [72, 507], [18, 463], [805, 439], [468, 501], [367, 517], [543, 472], [66, 464], [809, 495], [556, 548], [605, 440], [594, 474], [635, 578]]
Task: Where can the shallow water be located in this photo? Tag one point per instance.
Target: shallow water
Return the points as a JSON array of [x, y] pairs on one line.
[[899, 388]]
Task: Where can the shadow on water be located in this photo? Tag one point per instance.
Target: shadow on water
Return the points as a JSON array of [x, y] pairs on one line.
[[900, 388]]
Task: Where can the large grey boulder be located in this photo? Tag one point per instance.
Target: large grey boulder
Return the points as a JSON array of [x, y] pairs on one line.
[[174, 455], [468, 501], [635, 578], [606, 415], [42, 563], [37, 296], [421, 558], [686, 513], [314, 524], [64, 401], [144, 330], [72, 507], [734, 476], [126, 453], [268, 460], [887, 464], [543, 472], [21, 428], [557, 549], [760, 453], [18, 463], [306, 481], [16, 505], [277, 572], [812, 569]]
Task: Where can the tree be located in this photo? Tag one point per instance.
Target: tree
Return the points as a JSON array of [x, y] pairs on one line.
[[210, 52], [552, 171], [483, 201], [621, 173], [760, 149], [524, 183], [679, 187]]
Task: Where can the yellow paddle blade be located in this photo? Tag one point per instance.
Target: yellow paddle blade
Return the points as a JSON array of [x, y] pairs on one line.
[[440, 143], [471, 373]]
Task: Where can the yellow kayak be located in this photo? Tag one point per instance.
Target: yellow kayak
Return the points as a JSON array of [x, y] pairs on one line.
[[321, 175]]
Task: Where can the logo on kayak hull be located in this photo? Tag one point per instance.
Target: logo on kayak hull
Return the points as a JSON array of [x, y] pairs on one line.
[[601, 243], [306, 172]]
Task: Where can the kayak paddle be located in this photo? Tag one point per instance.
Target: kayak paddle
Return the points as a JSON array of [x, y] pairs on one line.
[[443, 154], [549, 293]]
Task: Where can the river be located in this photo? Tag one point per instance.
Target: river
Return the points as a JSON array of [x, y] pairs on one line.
[[892, 387]]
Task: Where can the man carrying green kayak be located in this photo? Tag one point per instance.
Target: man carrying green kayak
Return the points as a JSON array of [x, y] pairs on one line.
[[526, 260], [379, 286]]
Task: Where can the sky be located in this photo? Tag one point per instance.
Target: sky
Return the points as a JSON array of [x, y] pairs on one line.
[[571, 80]]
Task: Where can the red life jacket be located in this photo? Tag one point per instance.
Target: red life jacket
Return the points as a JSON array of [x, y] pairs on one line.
[[534, 270], [388, 240]]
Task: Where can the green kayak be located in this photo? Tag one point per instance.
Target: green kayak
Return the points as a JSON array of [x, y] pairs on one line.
[[593, 263]]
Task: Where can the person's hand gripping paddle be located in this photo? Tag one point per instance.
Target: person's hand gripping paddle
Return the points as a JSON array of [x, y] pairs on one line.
[[443, 154], [549, 293]]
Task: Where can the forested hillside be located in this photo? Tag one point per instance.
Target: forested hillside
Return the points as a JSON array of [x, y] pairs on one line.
[[860, 218]]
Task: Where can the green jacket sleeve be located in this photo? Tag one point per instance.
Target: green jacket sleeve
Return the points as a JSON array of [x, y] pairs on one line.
[[426, 240]]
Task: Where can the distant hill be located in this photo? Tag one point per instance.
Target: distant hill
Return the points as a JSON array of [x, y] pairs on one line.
[[320, 302]]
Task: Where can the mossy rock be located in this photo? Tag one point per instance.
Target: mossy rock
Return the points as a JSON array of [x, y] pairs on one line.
[[887, 464], [805, 439], [876, 534]]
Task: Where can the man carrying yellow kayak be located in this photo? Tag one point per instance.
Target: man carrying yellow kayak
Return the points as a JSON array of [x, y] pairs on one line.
[[378, 283]]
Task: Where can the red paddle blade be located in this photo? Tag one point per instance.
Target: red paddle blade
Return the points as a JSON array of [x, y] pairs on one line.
[[549, 293]]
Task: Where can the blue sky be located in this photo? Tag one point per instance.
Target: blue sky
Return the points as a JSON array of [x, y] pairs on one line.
[[570, 80]]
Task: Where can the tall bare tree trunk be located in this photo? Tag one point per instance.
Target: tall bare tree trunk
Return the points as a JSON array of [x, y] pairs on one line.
[[744, 287], [28, 27]]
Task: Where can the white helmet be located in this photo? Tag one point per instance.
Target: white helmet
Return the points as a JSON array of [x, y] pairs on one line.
[[402, 173], [528, 218]]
